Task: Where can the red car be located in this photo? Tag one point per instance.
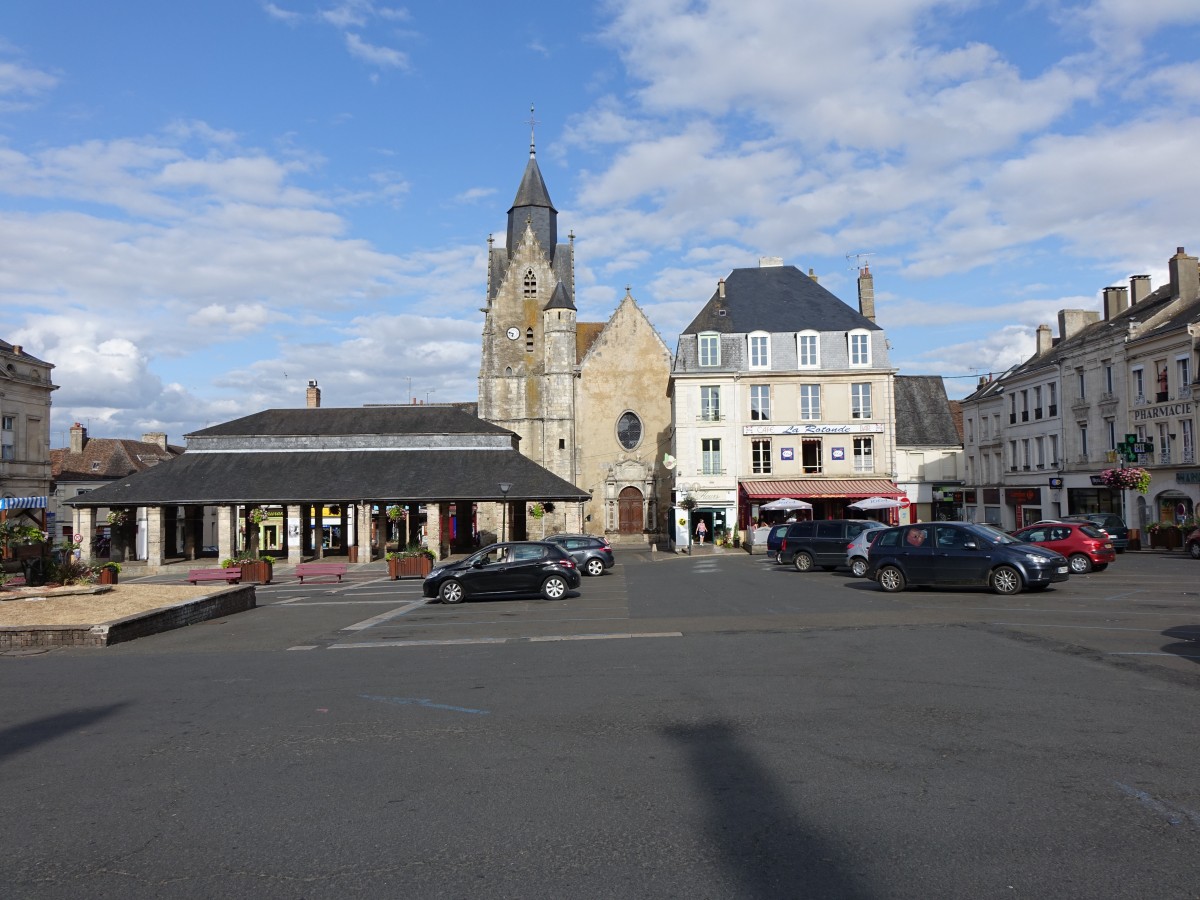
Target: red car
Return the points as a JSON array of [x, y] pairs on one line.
[[1192, 544], [1086, 547]]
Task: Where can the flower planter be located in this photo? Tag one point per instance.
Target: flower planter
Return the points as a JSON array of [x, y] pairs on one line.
[[256, 572], [108, 576], [1167, 538], [409, 567]]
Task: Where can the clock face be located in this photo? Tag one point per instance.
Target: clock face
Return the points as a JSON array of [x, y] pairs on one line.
[[513, 333]]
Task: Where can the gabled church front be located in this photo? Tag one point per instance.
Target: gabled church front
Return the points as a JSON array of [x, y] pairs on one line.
[[589, 400]]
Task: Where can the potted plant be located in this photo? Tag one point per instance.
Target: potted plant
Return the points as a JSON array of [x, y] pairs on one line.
[[256, 570], [108, 572], [413, 560]]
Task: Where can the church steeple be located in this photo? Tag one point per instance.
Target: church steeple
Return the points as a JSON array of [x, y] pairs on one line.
[[532, 204]]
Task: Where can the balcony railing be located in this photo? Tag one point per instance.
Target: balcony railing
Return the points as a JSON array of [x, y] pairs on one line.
[[710, 417], [1164, 457], [1188, 457], [1037, 413], [1024, 415], [1053, 409], [1184, 393], [1139, 400]]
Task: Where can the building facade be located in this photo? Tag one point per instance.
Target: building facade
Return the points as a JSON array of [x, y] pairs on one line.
[[780, 389], [25, 389], [588, 400]]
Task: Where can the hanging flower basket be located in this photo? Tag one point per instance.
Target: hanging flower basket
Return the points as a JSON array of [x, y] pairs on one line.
[[1131, 479], [257, 515], [118, 517], [537, 510], [395, 513]]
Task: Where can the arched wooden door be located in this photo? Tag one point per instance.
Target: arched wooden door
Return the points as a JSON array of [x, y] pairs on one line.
[[629, 505]]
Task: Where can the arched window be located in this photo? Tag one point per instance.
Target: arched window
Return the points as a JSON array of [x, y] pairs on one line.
[[859, 347], [530, 283], [528, 340], [508, 370], [759, 350], [808, 350], [629, 430]]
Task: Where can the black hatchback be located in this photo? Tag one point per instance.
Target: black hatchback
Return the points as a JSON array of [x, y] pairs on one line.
[[961, 554], [510, 569]]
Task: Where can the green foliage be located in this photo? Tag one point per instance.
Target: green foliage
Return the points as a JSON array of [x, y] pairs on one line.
[[70, 570]]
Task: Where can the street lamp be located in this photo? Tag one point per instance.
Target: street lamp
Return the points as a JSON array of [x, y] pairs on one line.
[[505, 487]]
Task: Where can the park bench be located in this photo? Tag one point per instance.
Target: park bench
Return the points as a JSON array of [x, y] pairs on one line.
[[230, 575], [319, 568]]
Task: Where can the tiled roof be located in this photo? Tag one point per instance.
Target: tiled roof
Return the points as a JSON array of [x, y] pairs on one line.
[[104, 459], [366, 420], [923, 416]]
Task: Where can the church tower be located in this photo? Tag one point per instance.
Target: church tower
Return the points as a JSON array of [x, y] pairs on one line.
[[528, 361]]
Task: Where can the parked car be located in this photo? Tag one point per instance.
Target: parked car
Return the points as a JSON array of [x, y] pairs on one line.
[[856, 551], [1085, 546], [591, 553], [512, 568], [1192, 544], [821, 542], [1110, 522], [775, 539], [962, 554]]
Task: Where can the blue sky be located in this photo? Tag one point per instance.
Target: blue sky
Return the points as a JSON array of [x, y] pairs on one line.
[[205, 204]]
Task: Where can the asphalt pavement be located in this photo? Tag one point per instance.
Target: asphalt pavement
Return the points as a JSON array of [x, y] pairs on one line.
[[704, 726]]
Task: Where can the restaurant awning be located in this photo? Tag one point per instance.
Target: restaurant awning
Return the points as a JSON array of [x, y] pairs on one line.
[[821, 488], [23, 502]]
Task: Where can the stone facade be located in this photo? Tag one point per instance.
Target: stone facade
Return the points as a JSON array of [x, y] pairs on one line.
[[25, 389]]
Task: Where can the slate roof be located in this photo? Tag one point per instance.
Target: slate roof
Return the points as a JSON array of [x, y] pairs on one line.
[[345, 476], [923, 414], [8, 348], [532, 191], [104, 459], [776, 299], [365, 420]]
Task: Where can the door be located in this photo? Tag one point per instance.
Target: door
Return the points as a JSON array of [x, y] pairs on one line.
[[629, 510], [829, 544], [954, 562], [916, 553]]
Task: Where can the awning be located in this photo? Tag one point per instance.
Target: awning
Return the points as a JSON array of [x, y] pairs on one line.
[[23, 503], [821, 488]]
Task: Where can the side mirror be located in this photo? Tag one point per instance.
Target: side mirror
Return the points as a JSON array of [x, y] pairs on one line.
[[479, 563], [970, 545]]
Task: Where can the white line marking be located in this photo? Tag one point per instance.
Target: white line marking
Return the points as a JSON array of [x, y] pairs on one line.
[[417, 643], [384, 617], [1131, 653], [604, 637], [1079, 627], [304, 647], [348, 602], [516, 640]]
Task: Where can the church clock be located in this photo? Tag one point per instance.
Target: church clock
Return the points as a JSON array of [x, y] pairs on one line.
[[513, 333]]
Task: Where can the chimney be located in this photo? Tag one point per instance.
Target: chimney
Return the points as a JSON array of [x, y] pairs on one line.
[[1116, 301], [1185, 276], [770, 262], [313, 395], [79, 438], [721, 288], [17, 349], [1139, 288], [812, 274], [1073, 321], [155, 437], [866, 293], [1044, 339]]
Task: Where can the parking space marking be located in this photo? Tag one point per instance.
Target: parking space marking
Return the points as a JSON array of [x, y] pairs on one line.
[[385, 617], [604, 637], [1147, 653], [515, 640], [304, 647], [1077, 627]]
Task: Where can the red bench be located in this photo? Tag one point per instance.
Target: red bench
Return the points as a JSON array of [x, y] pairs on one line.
[[319, 568], [231, 575]]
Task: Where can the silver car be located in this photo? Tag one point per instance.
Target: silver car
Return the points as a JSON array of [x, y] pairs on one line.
[[856, 551]]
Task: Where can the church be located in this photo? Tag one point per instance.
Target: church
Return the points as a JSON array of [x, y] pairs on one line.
[[589, 400]]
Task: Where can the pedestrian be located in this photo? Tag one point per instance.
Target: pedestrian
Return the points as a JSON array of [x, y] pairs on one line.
[[701, 531]]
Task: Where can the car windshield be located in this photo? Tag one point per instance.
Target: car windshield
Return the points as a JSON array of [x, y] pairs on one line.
[[994, 535]]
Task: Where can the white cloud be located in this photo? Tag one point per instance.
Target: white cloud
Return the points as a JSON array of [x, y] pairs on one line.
[[24, 82], [385, 57]]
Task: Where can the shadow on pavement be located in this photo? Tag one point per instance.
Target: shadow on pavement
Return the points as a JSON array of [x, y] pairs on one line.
[[17, 738]]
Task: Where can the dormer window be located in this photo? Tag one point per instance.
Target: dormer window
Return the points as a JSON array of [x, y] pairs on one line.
[[859, 348], [709, 348], [808, 352], [760, 350]]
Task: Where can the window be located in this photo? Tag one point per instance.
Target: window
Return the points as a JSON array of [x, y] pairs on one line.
[[860, 400], [1108, 378], [810, 456], [8, 447], [1025, 461], [1012, 455], [760, 456], [710, 403], [1080, 384], [710, 456], [1053, 388], [1054, 449], [970, 431], [1183, 376], [810, 401], [1189, 441], [1139, 384], [1024, 406], [864, 459], [1012, 409], [760, 402], [528, 340], [629, 430], [807, 351], [1040, 443], [1037, 402], [1110, 426], [760, 351], [1083, 441], [860, 348], [710, 349], [530, 284]]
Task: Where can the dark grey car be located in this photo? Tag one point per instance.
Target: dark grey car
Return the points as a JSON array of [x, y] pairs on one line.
[[592, 554], [821, 542]]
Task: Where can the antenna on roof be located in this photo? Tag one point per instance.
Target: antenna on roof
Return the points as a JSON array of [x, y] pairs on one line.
[[860, 259]]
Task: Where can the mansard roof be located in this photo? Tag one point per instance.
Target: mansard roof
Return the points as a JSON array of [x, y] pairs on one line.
[[924, 417], [776, 299]]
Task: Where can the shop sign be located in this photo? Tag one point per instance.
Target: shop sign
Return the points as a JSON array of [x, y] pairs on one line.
[[1023, 495], [991, 496], [865, 428], [1056, 483], [1167, 411], [1096, 480], [1192, 477]]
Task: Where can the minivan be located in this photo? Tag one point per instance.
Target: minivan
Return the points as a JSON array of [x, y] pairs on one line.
[[821, 542]]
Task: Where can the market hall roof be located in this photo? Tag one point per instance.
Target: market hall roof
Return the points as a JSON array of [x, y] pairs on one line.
[[422, 454]]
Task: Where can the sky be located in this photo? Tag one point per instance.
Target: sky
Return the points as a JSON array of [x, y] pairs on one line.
[[206, 203]]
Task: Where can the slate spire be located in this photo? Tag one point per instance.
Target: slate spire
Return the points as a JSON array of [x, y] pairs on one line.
[[532, 204]]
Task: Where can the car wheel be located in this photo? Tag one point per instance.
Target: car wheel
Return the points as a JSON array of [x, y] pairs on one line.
[[1099, 567], [858, 567], [1080, 564], [1006, 580], [778, 558], [1194, 550], [554, 588], [803, 561], [452, 591], [891, 579], [594, 566]]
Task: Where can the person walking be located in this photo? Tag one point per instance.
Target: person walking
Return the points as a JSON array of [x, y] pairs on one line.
[[701, 531]]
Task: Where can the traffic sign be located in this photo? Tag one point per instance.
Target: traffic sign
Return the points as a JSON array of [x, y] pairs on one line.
[[904, 501], [77, 538]]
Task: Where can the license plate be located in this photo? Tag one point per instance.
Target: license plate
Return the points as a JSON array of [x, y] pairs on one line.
[[1062, 570]]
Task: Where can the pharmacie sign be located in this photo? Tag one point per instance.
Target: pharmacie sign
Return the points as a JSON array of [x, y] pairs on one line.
[[868, 428], [1166, 411]]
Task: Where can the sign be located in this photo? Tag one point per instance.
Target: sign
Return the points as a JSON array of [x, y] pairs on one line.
[[1192, 477], [787, 453], [838, 453], [864, 428], [1023, 495], [1056, 483], [904, 501], [1166, 411], [76, 538]]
